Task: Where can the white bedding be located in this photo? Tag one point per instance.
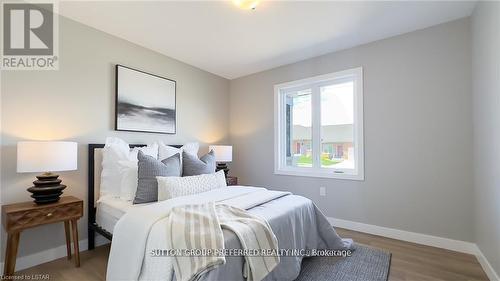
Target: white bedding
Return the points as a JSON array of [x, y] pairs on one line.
[[110, 210], [145, 227]]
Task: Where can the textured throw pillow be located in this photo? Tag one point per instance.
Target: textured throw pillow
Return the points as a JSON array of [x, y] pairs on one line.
[[165, 151], [171, 187], [192, 165], [148, 169]]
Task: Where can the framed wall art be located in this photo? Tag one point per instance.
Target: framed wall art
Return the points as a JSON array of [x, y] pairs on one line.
[[144, 102]]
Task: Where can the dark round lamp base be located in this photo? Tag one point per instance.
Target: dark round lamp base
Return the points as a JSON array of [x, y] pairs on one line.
[[47, 189], [223, 167]]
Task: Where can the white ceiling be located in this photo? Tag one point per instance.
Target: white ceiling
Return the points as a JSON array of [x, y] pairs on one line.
[[230, 42]]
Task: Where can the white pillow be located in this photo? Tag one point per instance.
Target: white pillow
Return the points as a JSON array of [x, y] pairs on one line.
[[171, 187], [129, 179], [150, 149], [116, 150], [165, 151]]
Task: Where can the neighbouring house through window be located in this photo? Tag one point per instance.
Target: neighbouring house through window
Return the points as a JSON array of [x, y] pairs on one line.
[[319, 126]]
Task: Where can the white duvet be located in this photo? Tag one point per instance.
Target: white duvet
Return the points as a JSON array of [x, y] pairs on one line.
[[143, 229]]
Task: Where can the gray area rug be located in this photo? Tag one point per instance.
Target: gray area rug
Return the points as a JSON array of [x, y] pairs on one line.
[[365, 264]]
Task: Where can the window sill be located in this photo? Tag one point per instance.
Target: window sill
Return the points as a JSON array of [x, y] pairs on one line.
[[320, 174]]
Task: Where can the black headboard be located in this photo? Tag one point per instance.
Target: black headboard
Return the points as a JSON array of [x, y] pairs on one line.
[[92, 226]]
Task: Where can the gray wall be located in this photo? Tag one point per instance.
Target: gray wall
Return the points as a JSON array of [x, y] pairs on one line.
[[418, 133], [486, 92], [77, 103], [418, 125]]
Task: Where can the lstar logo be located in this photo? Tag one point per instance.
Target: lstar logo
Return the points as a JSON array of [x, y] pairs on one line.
[[28, 36]]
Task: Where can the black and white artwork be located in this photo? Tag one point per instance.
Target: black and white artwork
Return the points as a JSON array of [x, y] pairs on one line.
[[144, 102]]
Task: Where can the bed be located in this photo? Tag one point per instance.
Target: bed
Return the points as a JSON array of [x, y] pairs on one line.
[[109, 210], [113, 209], [289, 216]]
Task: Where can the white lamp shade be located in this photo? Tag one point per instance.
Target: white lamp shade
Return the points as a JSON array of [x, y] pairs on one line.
[[46, 156], [223, 153]]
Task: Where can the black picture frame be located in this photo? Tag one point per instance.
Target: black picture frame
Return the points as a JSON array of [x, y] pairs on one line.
[[119, 105]]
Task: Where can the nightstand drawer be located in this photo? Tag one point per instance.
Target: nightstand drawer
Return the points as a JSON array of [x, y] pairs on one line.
[[43, 215]]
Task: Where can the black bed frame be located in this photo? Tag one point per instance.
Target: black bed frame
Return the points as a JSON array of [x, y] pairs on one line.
[[93, 227]]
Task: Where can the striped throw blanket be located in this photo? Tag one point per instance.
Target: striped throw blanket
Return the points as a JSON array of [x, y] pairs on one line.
[[200, 227]]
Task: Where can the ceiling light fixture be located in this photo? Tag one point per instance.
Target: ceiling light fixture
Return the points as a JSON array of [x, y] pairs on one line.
[[246, 4]]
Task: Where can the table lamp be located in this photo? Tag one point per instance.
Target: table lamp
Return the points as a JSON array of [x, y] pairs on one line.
[[223, 155], [46, 157]]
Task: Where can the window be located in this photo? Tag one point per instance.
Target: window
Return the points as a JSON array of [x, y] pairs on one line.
[[319, 126]]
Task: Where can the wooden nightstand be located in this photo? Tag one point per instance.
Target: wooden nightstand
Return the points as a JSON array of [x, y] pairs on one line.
[[20, 216], [231, 180]]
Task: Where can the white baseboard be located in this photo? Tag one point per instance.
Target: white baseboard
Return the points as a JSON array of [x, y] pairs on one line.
[[423, 239], [485, 264], [51, 254]]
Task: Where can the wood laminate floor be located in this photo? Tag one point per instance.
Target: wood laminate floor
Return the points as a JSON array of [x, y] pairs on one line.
[[409, 262]]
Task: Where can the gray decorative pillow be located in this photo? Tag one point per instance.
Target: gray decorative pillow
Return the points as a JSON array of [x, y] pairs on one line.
[[192, 166], [148, 169]]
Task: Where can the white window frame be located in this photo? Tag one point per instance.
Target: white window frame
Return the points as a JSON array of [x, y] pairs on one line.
[[280, 90]]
